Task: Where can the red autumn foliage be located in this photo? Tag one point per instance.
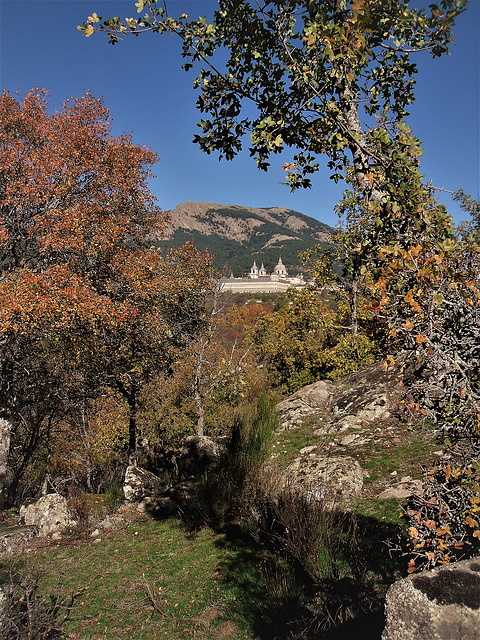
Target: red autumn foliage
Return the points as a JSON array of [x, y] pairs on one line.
[[80, 274]]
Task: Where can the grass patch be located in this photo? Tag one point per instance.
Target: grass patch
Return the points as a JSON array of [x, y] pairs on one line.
[[290, 443], [387, 511], [152, 580], [411, 457]]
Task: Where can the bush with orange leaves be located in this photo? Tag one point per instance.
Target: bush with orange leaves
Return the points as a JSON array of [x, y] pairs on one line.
[[445, 521]]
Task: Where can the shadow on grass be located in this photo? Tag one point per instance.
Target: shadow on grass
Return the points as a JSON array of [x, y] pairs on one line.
[[279, 599]]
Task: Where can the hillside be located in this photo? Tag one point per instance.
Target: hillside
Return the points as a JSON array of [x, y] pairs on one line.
[[237, 235]]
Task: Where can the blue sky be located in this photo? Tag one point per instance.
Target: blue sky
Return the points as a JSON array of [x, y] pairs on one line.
[[149, 95]]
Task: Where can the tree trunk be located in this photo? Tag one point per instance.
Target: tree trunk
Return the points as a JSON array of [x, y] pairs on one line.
[[355, 315], [132, 432], [131, 398], [5, 430], [199, 405]]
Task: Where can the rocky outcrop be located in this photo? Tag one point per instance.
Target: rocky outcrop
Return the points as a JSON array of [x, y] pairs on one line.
[[327, 479], [49, 514], [371, 394], [345, 419], [442, 604], [200, 453], [140, 484], [306, 403]]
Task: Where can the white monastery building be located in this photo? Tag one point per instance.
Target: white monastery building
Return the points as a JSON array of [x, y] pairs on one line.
[[258, 281]]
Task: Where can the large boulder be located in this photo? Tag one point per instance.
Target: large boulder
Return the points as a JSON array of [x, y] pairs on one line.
[[328, 479], [307, 402], [368, 395], [140, 484], [200, 453], [49, 514], [442, 604]]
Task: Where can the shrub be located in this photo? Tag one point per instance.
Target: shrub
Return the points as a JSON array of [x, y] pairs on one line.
[[28, 612], [228, 492], [314, 574], [114, 496], [445, 521]]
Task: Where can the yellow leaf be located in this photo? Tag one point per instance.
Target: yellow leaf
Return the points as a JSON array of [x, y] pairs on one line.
[[409, 296], [309, 39], [89, 31], [413, 532]]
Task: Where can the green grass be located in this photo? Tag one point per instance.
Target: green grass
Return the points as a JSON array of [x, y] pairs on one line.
[[386, 511], [153, 580], [409, 457], [289, 443]]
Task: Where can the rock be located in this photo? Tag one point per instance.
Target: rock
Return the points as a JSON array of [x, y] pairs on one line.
[[403, 489], [95, 533], [14, 539], [309, 401], [106, 523], [200, 453], [49, 514], [139, 484], [325, 478], [369, 395], [361, 405], [309, 449], [442, 604]]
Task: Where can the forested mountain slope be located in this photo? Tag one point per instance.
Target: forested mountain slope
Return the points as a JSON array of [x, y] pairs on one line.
[[237, 235]]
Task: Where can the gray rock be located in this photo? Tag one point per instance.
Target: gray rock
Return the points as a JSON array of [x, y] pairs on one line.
[[329, 479], [14, 539], [139, 484], [50, 514], [403, 489], [309, 401], [442, 604]]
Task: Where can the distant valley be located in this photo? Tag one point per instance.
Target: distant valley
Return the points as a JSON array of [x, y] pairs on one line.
[[237, 235]]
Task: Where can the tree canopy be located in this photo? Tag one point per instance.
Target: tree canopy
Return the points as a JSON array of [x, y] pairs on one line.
[[331, 77], [85, 295]]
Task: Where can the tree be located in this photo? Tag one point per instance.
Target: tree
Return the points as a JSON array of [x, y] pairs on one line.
[[83, 289], [335, 78], [303, 75]]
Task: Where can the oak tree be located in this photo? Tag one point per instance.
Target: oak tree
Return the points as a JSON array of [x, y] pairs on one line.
[[83, 288]]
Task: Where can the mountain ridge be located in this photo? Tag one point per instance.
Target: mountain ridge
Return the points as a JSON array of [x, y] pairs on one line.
[[237, 235]]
